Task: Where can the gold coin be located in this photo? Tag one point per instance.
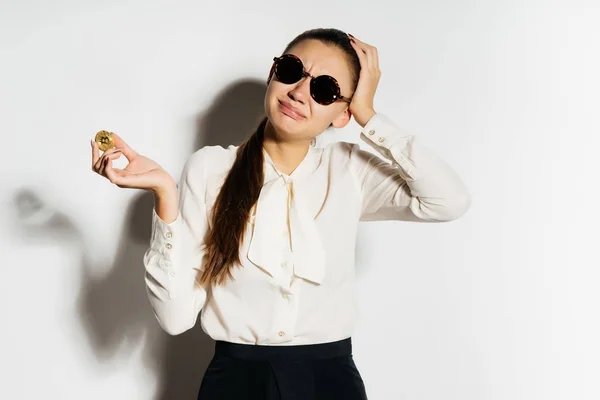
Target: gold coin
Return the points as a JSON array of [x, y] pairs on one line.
[[105, 140]]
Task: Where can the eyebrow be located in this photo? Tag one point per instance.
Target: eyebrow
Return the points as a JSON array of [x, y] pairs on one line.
[[304, 65]]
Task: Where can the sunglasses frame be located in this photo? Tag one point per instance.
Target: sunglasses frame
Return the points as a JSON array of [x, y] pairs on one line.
[[337, 96]]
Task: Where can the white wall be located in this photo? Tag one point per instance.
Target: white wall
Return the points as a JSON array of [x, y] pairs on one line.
[[501, 304]]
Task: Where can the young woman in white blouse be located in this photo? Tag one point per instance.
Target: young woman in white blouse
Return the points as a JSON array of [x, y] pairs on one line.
[[259, 238]]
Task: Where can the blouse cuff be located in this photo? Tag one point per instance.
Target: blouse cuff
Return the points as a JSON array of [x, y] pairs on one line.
[[165, 236], [392, 143]]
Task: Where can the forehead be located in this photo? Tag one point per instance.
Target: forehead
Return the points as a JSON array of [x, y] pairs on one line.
[[323, 59]]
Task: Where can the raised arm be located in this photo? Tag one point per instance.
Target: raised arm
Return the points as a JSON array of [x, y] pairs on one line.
[[408, 182]]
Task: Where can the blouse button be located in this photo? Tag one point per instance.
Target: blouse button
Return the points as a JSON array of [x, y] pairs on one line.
[[169, 234], [372, 132], [281, 333], [168, 246]]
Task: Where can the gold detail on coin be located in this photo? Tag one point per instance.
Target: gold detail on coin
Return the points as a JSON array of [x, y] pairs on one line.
[[105, 140]]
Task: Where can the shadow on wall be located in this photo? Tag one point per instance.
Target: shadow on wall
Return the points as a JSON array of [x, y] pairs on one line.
[[113, 306]]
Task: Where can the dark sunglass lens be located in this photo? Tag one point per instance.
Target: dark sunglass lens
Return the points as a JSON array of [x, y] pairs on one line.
[[324, 90], [289, 70]]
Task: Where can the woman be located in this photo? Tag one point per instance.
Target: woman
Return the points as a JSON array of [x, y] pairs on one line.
[[260, 238]]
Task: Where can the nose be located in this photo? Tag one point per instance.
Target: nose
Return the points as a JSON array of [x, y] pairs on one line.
[[301, 90]]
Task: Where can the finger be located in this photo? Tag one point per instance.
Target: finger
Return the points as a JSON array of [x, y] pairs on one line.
[[116, 176], [98, 164], [104, 161], [360, 48], [360, 43], [111, 174], [369, 55], [113, 153], [120, 144], [373, 57], [376, 56], [370, 51], [107, 158], [362, 57], [95, 154]]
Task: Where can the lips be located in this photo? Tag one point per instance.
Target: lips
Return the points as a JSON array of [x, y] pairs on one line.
[[291, 111]]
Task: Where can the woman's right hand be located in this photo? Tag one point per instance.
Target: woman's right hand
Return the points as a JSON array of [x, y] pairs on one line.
[[140, 173]]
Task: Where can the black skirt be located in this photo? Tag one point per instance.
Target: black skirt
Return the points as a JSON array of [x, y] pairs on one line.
[[324, 371]]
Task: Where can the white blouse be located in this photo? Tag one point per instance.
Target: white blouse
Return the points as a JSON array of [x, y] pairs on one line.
[[296, 280]]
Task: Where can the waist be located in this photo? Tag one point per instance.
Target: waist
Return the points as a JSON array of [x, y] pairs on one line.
[[318, 351]]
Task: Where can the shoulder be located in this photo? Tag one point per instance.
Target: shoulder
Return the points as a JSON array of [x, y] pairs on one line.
[[352, 158], [209, 161], [340, 151], [211, 155]]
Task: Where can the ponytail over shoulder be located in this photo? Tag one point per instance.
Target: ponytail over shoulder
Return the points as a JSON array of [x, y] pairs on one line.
[[243, 183], [231, 211]]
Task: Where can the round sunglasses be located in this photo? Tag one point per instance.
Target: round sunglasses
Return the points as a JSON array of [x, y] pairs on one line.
[[324, 89]]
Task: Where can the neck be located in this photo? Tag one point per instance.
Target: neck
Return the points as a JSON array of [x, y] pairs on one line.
[[286, 155]]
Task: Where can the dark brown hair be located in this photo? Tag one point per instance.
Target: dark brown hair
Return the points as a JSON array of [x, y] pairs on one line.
[[244, 181]]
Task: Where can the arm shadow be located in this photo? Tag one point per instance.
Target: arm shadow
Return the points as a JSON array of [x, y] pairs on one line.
[[112, 303]]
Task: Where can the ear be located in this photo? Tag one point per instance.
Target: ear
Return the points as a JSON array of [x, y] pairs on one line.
[[342, 119]]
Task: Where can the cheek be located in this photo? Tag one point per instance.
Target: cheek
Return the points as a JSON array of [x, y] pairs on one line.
[[324, 114], [270, 99]]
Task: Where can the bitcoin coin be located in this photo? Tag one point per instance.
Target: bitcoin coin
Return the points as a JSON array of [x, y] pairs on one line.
[[105, 140]]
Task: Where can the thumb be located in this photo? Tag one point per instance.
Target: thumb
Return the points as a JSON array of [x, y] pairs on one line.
[[127, 151], [116, 176]]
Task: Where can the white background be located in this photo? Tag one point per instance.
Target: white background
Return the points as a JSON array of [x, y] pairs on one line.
[[500, 304]]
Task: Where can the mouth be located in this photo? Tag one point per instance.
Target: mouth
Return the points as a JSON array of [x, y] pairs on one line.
[[290, 111]]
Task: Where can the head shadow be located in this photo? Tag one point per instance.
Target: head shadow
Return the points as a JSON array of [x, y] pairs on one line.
[[233, 115]]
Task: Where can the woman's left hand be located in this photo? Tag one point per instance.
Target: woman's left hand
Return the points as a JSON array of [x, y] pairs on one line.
[[361, 105]]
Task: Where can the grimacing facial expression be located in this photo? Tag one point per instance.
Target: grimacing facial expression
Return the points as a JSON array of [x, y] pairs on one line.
[[310, 118]]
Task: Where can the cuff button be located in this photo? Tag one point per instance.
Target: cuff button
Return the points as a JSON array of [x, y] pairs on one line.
[[372, 132], [381, 139]]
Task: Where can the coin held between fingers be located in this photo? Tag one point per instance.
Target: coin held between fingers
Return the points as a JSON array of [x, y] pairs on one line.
[[105, 140]]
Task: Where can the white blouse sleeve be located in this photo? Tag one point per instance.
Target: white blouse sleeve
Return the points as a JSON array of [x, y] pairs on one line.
[[175, 255], [409, 183]]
